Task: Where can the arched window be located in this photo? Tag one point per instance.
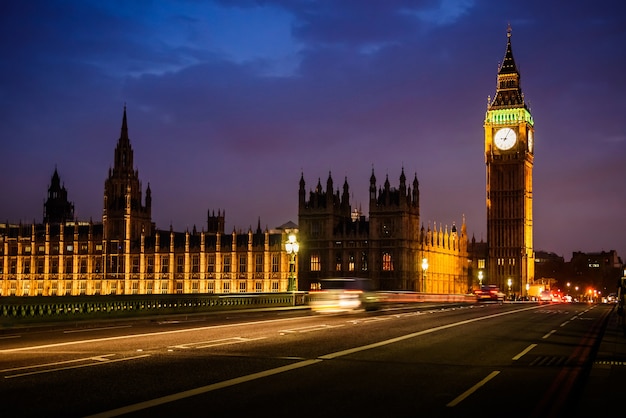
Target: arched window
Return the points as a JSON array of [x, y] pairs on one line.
[[387, 262]]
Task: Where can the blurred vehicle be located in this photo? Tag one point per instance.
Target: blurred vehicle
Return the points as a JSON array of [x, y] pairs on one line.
[[344, 294], [549, 296], [545, 296], [610, 298], [489, 293]]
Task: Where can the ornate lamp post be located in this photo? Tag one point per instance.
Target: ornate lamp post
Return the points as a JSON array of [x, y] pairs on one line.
[[480, 278], [291, 246]]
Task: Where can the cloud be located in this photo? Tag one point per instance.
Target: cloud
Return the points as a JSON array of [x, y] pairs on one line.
[[445, 12]]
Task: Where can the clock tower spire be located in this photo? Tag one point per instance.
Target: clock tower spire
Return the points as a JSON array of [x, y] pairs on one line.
[[509, 154]]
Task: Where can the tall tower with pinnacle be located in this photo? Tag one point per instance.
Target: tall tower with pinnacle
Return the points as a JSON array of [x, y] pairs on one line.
[[509, 155], [125, 217]]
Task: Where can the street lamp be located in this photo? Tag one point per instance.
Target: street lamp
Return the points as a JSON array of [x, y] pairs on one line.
[[424, 268], [509, 282], [291, 246], [480, 278]]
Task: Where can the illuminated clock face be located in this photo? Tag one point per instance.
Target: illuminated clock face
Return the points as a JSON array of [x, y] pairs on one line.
[[505, 138], [530, 141]]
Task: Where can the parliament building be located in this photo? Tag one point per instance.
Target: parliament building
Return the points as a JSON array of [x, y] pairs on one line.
[[126, 254], [390, 247]]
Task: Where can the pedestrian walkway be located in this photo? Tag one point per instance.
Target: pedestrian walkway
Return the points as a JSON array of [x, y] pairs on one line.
[[605, 390]]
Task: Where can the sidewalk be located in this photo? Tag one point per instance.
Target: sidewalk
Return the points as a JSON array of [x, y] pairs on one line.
[[605, 390]]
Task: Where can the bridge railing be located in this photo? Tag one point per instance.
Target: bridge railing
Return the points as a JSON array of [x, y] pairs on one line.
[[17, 310], [25, 310]]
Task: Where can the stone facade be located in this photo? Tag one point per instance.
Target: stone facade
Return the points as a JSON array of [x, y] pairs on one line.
[[127, 254], [389, 247]]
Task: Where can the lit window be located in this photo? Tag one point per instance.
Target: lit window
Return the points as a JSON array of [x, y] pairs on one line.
[[258, 263], [210, 265], [180, 264], [387, 262], [195, 263], [316, 265], [242, 263]]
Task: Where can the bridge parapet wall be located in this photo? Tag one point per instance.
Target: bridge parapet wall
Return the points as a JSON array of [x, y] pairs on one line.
[[29, 310]]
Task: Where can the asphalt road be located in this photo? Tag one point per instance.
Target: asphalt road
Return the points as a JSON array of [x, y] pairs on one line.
[[514, 360]]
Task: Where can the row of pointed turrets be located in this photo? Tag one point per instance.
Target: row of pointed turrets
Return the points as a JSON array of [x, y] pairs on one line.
[[443, 237], [384, 196]]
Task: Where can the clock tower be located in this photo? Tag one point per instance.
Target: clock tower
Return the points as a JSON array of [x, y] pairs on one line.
[[509, 154]]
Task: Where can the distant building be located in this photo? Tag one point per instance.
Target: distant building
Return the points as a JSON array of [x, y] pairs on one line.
[[390, 247], [597, 271], [477, 256], [584, 272], [550, 266], [127, 254]]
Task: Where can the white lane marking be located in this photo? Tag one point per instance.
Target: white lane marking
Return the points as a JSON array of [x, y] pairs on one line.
[[149, 334], [57, 363], [549, 334], [78, 366], [473, 389], [231, 382], [369, 320], [216, 343], [526, 350], [310, 328], [419, 333], [6, 337], [203, 389]]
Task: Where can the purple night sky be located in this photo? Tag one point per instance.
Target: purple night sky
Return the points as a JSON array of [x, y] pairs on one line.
[[228, 102]]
